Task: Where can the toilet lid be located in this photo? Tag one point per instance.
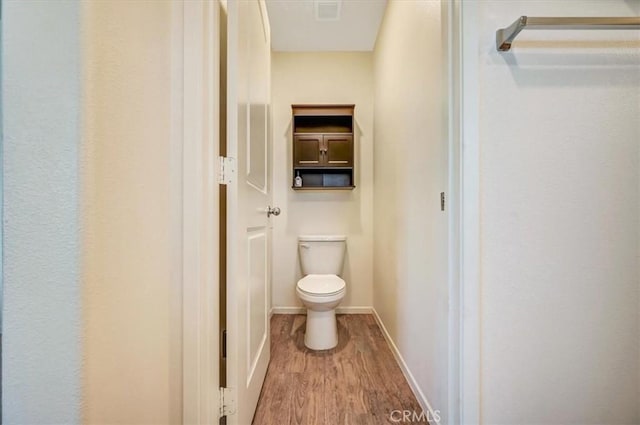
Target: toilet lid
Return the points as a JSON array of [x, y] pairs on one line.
[[321, 284]]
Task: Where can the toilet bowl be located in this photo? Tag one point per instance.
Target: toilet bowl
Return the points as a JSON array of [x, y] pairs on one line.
[[321, 294], [321, 289]]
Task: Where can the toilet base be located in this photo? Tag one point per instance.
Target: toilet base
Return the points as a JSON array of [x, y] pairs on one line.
[[322, 330]]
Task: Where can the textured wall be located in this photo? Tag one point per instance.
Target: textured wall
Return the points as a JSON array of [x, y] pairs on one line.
[[131, 296], [91, 334], [41, 85], [410, 255], [559, 137], [1, 186], [322, 78]]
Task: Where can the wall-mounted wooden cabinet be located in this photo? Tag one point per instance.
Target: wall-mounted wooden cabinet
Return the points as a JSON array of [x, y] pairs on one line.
[[323, 151]]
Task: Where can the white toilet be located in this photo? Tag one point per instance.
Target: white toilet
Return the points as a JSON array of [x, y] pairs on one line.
[[321, 289]]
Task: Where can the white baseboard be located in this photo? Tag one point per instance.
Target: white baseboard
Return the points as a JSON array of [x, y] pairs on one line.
[[339, 310], [354, 310], [422, 399], [289, 310]]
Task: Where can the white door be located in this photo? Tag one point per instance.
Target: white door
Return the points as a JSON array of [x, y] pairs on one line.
[[248, 98]]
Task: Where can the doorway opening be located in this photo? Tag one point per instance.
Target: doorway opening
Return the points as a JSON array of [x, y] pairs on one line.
[[448, 217]]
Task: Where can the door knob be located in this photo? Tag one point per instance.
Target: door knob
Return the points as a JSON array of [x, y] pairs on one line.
[[273, 211]]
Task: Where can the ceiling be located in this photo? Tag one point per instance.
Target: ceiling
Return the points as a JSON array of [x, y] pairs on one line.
[[324, 25]]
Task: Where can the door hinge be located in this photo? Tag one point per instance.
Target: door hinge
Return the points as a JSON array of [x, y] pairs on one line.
[[227, 401], [442, 201], [226, 169]]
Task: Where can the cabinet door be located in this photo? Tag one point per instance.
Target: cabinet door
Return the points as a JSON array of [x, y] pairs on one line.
[[306, 150], [338, 151]]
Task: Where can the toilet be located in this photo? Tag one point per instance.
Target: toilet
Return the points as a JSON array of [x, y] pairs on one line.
[[321, 289]]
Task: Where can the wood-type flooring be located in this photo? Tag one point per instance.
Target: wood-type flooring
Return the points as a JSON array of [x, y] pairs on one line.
[[356, 383]]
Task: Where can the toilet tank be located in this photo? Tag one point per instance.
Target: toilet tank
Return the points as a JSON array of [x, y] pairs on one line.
[[322, 254]]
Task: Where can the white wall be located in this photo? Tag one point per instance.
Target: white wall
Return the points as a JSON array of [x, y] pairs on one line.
[[1, 184], [322, 78], [132, 291], [410, 254], [559, 137], [42, 311]]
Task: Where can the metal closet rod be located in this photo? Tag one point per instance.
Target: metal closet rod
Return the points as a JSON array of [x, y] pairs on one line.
[[505, 36]]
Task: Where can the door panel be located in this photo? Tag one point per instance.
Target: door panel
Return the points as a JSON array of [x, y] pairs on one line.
[[257, 299], [248, 240], [259, 86], [338, 151], [257, 149], [307, 150]]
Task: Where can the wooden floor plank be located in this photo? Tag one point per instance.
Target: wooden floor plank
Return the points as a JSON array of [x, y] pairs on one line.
[[356, 383]]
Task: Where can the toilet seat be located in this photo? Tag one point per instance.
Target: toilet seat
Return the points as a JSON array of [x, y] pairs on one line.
[[321, 285]]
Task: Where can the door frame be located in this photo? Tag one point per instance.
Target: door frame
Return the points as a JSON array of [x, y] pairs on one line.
[[464, 230], [459, 28], [196, 51], [199, 214]]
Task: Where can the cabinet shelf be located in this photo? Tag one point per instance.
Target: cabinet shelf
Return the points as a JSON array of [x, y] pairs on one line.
[[324, 188], [325, 177], [326, 133], [307, 168]]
